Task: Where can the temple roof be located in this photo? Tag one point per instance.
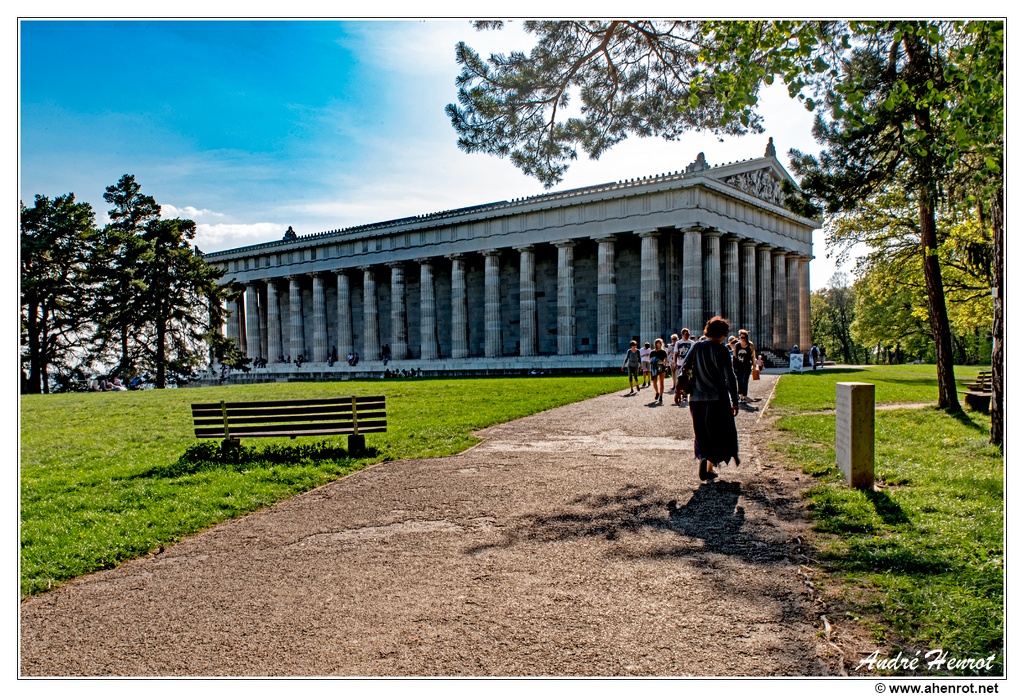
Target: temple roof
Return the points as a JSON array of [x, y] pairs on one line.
[[734, 174]]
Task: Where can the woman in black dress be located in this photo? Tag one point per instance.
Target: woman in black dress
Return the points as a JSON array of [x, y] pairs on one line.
[[714, 400]]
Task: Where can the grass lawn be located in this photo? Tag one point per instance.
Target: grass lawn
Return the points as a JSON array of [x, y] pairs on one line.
[[920, 560], [103, 479]]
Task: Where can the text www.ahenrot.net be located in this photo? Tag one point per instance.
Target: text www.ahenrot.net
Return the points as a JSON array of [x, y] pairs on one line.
[[937, 689]]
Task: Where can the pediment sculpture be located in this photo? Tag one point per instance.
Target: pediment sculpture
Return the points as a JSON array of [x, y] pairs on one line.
[[760, 183]]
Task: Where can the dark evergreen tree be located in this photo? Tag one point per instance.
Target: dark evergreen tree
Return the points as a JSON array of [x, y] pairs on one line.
[[55, 237], [118, 266]]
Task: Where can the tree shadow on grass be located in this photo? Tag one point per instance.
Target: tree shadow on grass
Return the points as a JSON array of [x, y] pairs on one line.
[[888, 509], [967, 421], [208, 455], [710, 521]]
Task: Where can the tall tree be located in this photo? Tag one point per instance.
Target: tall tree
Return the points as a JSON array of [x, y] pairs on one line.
[[55, 246], [182, 302], [893, 97], [122, 254], [832, 314]]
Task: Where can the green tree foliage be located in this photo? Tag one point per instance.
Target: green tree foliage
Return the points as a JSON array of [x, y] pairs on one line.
[[887, 224], [55, 239], [894, 115], [626, 77], [891, 316], [182, 303], [911, 100], [133, 298], [122, 255], [832, 313]]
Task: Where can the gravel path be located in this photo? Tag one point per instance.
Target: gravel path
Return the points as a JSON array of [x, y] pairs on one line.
[[574, 542]]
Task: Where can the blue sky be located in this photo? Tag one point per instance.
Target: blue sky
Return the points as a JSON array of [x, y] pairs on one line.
[[248, 127]]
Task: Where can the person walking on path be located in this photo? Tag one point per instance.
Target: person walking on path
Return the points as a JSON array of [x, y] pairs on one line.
[[659, 363], [743, 363], [815, 353], [714, 401], [632, 364], [670, 366], [683, 347], [645, 363]]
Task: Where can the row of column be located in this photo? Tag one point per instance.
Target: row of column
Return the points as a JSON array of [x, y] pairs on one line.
[[766, 289]]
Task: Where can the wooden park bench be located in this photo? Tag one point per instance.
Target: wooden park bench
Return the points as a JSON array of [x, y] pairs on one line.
[[351, 416], [979, 395]]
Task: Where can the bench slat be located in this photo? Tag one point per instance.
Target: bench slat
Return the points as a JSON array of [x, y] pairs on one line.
[[296, 411], [289, 403], [267, 418], [285, 431]]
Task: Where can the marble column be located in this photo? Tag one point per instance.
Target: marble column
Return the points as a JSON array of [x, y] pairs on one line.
[[460, 326], [712, 275], [320, 347], [274, 347], [428, 312], [748, 287], [527, 302], [297, 339], [765, 299], [805, 304], [346, 345], [779, 334], [793, 299], [731, 281], [264, 348], [566, 299], [607, 321], [399, 318], [492, 303], [650, 286], [252, 320], [234, 327], [693, 282], [371, 328]]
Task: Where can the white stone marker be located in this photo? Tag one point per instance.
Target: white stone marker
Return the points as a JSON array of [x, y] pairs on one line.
[[855, 433]]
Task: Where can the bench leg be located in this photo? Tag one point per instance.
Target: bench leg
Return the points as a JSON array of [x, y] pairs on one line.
[[356, 444], [229, 448]]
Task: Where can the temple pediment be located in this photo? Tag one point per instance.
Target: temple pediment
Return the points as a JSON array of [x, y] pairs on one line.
[[763, 177], [761, 183]]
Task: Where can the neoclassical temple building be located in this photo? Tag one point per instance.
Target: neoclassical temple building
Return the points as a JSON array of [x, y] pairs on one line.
[[559, 281]]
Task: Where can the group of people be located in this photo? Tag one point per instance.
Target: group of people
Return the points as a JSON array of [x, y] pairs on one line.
[[711, 375], [114, 384], [403, 373]]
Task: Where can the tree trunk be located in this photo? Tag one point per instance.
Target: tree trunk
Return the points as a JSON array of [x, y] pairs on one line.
[[44, 348], [937, 304], [122, 366], [161, 361], [996, 437], [35, 385]]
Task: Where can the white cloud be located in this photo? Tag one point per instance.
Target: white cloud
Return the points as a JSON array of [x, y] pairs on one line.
[[427, 47], [216, 237], [188, 212]]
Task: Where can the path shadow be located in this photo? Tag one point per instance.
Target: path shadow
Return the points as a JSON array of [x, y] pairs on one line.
[[709, 521]]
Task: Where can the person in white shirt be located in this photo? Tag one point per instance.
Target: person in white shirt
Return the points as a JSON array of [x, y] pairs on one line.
[[645, 363], [682, 347]]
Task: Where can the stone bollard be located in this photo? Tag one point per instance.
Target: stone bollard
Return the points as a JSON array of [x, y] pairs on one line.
[[855, 433]]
